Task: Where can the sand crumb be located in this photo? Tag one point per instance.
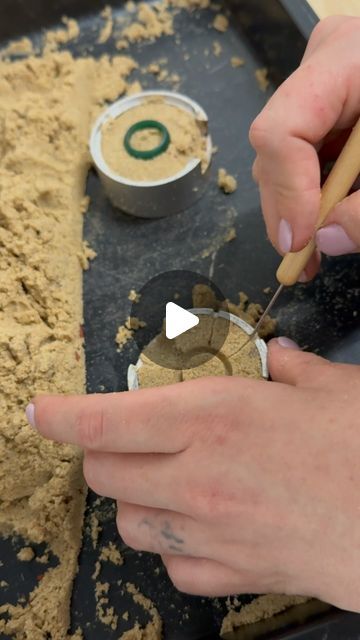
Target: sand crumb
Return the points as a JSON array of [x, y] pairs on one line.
[[126, 331], [97, 570], [26, 554], [121, 44], [162, 75], [21, 47], [43, 559], [133, 88], [221, 23], [84, 204], [111, 554], [130, 6], [262, 79], [237, 62], [106, 614], [226, 182], [106, 30], [153, 629], [134, 323], [261, 608], [152, 23], [86, 255], [174, 78], [251, 312], [134, 296], [217, 48], [230, 235], [95, 529], [190, 5], [54, 38], [219, 242], [123, 336], [153, 68]]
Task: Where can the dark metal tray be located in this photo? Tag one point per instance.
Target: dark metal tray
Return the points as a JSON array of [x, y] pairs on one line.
[[132, 251]]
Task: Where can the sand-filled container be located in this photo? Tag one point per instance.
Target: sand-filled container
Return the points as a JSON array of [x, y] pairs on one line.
[[152, 152], [218, 346]]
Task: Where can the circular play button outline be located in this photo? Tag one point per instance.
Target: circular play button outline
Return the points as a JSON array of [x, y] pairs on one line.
[[174, 288]]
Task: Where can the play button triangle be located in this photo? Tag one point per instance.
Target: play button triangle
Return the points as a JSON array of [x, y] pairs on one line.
[[178, 320]]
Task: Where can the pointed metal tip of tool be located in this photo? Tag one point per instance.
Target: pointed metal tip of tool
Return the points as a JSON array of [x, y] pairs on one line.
[[260, 322]]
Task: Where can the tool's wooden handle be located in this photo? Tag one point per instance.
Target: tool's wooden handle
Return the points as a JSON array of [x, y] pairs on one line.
[[337, 186]]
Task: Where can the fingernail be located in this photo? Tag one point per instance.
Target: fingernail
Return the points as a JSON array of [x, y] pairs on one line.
[[303, 277], [285, 236], [286, 343], [334, 241], [30, 414]]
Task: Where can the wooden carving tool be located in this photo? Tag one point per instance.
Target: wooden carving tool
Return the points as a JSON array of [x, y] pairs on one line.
[[338, 184]]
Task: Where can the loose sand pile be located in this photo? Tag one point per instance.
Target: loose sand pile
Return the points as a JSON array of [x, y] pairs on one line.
[[46, 108]]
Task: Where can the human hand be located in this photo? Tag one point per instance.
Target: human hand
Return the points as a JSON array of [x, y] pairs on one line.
[[309, 116], [241, 485]]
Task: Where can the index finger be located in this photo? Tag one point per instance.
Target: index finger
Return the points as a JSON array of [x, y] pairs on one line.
[[319, 96], [146, 421]]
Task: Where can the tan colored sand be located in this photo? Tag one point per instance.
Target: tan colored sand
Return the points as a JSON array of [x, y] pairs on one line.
[[153, 68], [26, 554], [153, 629], [107, 27], [226, 182], [21, 47], [95, 529], [134, 296], [105, 612], [110, 553], [261, 608], [237, 62], [218, 242], [134, 87], [190, 5], [47, 106], [54, 38], [123, 336], [151, 23], [251, 312], [215, 347], [217, 48], [221, 23], [86, 255], [187, 142], [126, 331], [262, 79]]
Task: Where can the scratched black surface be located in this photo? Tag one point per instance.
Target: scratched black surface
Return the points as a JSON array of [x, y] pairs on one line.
[[321, 316]]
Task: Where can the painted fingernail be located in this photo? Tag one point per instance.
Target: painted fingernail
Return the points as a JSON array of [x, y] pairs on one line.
[[286, 343], [30, 414], [334, 241], [285, 236]]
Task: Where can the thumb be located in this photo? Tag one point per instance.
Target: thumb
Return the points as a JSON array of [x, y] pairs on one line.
[[289, 365], [342, 233]]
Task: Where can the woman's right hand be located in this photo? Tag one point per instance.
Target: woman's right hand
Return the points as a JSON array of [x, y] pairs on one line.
[[311, 111]]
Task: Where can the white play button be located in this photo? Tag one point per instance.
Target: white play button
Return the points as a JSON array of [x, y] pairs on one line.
[[178, 320]]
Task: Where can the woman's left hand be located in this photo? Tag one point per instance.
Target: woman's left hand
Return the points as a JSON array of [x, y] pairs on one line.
[[241, 485]]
